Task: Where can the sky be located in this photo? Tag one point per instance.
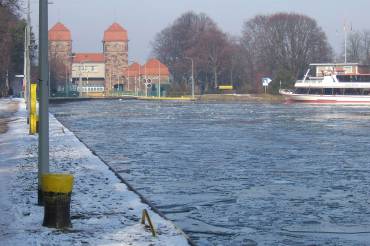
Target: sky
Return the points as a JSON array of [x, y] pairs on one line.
[[143, 19]]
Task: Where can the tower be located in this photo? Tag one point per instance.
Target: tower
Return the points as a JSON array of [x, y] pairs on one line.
[[60, 56], [115, 45]]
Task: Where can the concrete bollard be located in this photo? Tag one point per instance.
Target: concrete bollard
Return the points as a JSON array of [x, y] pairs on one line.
[[57, 190]]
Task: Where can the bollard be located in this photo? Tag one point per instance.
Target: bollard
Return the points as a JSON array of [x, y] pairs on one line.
[[57, 190], [33, 98], [33, 117]]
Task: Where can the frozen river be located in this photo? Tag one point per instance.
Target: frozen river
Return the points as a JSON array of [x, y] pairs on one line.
[[239, 173]]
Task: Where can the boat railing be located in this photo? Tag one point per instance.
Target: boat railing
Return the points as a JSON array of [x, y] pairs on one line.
[[310, 81], [286, 91]]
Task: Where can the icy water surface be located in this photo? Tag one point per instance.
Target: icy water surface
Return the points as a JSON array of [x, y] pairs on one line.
[[240, 174]]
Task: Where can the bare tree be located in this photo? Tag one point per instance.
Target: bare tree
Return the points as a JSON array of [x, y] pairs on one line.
[[354, 47], [283, 43], [366, 46], [11, 42], [358, 48], [198, 37]]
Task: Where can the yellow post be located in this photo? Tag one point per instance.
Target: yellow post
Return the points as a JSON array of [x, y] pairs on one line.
[[33, 113], [33, 124], [33, 96]]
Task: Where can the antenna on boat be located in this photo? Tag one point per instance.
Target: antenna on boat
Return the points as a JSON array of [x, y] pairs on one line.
[[345, 28], [306, 75], [345, 42]]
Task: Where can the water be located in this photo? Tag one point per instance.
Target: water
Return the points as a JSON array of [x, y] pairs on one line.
[[239, 173]]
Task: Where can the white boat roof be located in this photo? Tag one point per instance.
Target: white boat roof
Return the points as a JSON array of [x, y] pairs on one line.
[[321, 84], [337, 64]]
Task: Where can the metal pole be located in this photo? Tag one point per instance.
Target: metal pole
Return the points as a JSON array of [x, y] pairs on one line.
[[146, 81], [192, 78], [87, 80], [43, 158], [345, 43], [139, 78], [159, 78], [66, 81], [80, 86], [25, 80], [192, 75], [128, 78], [28, 44]]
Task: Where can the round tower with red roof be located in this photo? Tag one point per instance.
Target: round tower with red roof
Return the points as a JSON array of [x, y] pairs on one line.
[[115, 44], [60, 50]]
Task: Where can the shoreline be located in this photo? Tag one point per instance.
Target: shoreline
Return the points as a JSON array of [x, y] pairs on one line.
[[104, 210], [258, 98], [131, 188]]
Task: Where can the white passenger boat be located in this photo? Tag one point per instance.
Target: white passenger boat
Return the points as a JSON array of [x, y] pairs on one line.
[[338, 83]]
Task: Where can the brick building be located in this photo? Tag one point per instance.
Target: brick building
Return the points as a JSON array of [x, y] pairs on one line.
[[106, 72], [60, 51]]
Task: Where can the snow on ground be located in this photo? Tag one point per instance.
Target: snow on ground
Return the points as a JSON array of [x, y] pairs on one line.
[[103, 210]]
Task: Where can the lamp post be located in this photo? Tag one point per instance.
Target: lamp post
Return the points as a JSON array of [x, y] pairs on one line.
[[159, 79], [146, 81], [192, 75], [43, 151], [71, 56], [80, 73], [87, 81], [128, 78]]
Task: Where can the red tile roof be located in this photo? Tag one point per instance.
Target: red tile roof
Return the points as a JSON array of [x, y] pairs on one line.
[[133, 70], [59, 32], [115, 33], [89, 57], [153, 67]]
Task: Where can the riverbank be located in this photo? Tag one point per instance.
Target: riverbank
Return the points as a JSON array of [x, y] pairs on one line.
[[263, 98], [104, 211]]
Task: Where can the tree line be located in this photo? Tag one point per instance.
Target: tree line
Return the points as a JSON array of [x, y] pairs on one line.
[[279, 46], [358, 46], [12, 32]]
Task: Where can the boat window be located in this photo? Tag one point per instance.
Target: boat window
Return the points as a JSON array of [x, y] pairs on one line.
[[351, 91], [354, 78], [338, 91], [302, 91], [328, 91], [316, 91]]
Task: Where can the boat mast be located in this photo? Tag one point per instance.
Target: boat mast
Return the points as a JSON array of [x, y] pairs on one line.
[[345, 42]]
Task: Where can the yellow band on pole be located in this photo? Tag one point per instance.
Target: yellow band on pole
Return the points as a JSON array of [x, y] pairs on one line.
[[33, 118], [57, 183], [33, 124], [33, 98]]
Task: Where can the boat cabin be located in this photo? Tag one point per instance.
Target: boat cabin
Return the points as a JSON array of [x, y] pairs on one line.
[[340, 69]]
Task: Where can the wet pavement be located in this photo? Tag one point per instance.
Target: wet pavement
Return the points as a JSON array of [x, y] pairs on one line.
[[239, 173], [7, 109]]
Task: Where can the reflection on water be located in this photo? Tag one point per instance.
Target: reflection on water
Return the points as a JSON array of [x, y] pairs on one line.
[[240, 174]]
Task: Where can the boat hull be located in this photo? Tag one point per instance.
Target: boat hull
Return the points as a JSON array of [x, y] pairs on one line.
[[341, 99]]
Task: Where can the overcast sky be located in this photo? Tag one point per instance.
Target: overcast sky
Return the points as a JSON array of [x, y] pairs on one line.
[[87, 19]]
